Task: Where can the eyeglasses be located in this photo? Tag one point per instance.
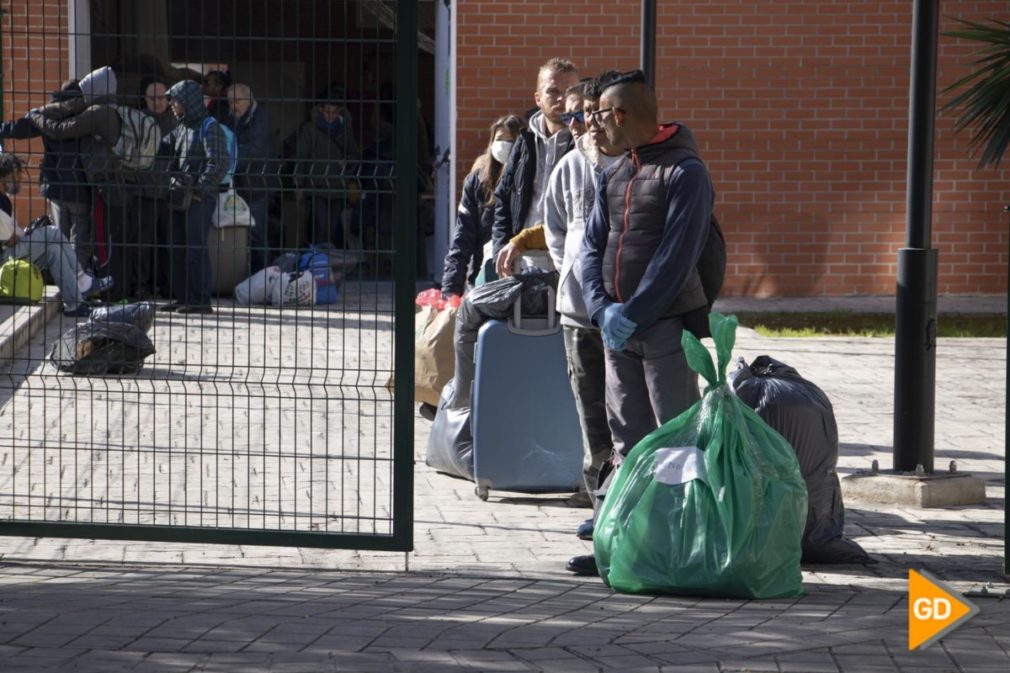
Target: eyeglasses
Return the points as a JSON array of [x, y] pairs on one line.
[[578, 116], [595, 115]]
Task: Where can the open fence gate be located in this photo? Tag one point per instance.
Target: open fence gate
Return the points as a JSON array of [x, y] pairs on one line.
[[263, 423]]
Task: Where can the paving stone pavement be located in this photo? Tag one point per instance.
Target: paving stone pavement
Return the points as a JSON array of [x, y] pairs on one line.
[[485, 589]]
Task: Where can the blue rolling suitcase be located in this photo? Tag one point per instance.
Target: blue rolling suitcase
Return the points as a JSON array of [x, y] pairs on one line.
[[526, 434]]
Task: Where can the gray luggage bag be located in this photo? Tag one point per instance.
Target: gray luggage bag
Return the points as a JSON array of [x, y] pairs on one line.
[[526, 433]]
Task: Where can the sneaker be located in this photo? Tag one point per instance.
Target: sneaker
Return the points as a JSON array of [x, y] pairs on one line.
[[82, 310], [98, 286]]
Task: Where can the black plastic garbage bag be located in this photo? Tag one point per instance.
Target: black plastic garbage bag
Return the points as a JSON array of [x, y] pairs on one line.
[[450, 441], [140, 314], [97, 348], [802, 413], [494, 301]]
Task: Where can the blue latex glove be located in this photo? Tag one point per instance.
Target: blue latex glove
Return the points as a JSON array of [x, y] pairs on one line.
[[616, 328]]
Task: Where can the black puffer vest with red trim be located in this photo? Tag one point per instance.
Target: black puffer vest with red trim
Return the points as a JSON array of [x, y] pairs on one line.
[[636, 194]]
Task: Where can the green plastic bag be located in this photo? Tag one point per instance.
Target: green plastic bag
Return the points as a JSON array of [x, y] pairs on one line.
[[712, 503]]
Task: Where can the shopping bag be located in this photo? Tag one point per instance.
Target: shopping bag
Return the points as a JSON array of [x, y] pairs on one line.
[[711, 503], [258, 288], [231, 211], [327, 280], [297, 288], [433, 346]]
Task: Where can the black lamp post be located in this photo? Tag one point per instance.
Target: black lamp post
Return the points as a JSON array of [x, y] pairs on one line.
[[649, 41], [915, 307]]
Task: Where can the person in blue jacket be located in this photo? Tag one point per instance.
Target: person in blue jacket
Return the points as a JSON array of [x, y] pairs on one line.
[[639, 260], [254, 134], [475, 214]]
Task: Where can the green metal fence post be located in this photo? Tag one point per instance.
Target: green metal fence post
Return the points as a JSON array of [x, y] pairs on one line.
[[405, 244]]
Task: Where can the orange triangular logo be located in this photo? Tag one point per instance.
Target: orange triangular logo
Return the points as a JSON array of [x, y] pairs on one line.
[[933, 610]]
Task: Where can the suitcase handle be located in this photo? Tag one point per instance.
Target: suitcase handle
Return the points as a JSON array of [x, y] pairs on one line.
[[535, 326]]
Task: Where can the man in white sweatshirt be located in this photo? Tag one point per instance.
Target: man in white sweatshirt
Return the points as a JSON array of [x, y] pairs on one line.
[[571, 194]]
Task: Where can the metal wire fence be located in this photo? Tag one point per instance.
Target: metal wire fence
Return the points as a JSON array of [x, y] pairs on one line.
[[248, 411]]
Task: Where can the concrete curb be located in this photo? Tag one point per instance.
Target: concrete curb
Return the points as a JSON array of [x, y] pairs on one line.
[[945, 304], [21, 322]]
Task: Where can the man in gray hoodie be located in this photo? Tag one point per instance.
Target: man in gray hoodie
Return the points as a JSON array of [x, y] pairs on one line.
[[92, 119], [519, 195], [200, 162], [568, 203]]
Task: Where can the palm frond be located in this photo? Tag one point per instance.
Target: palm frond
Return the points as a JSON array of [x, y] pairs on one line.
[[984, 98]]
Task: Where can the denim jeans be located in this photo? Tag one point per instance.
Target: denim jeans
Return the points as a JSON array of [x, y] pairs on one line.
[[76, 222], [48, 248]]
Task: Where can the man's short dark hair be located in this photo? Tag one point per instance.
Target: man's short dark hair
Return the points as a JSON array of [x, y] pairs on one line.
[[580, 88], [613, 78], [9, 164], [599, 83], [334, 92], [223, 76]]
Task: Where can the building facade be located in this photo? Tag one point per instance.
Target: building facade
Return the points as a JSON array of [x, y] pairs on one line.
[[801, 112], [800, 108]]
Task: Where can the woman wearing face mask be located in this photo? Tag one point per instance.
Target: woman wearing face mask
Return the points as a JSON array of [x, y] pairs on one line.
[[475, 214]]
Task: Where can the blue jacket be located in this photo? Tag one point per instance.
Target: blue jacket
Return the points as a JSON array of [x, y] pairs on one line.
[[256, 172], [644, 238]]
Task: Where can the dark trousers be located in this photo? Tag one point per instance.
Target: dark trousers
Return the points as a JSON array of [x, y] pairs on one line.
[[190, 258], [648, 383], [587, 374], [326, 221], [122, 235], [152, 226]]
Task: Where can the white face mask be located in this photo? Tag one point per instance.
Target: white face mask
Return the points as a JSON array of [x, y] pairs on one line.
[[500, 150]]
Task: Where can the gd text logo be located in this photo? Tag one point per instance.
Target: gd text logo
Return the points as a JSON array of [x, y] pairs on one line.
[[934, 610]]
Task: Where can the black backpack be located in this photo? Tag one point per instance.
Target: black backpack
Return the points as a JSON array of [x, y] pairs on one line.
[[712, 263], [712, 270]]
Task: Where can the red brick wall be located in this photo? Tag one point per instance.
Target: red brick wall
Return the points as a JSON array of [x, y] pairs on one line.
[[35, 63], [801, 110]]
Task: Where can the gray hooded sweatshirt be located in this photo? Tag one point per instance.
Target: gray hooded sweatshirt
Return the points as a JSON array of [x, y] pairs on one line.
[[570, 197], [550, 149]]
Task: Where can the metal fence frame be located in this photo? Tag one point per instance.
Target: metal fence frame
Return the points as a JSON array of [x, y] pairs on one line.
[[404, 242]]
